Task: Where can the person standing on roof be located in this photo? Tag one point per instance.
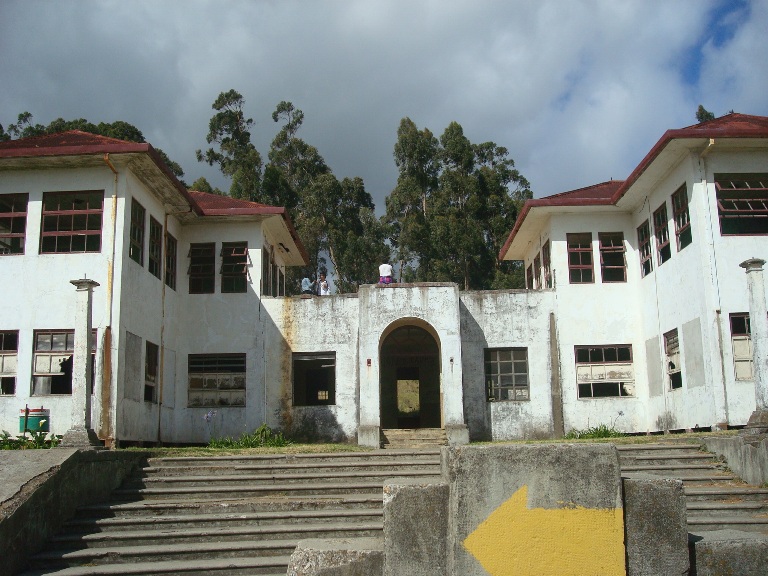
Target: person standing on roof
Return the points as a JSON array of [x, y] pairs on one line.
[[385, 273]]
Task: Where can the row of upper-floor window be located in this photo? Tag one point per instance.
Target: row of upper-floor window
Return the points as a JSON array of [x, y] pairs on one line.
[[742, 201], [72, 223]]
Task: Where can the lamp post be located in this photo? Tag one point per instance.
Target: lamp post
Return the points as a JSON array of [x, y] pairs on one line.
[[81, 435]]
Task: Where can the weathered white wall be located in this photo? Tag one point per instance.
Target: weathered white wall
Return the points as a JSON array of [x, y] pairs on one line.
[[507, 319], [36, 293]]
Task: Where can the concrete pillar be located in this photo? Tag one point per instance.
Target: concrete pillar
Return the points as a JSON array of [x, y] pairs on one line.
[[758, 422], [81, 435]]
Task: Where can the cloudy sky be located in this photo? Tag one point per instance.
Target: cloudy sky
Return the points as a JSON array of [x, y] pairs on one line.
[[577, 90]]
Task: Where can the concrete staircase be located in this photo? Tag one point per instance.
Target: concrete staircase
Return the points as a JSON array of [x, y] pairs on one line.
[[229, 515], [405, 438], [715, 498]]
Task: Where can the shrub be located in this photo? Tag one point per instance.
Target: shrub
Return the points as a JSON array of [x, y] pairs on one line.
[[259, 438], [35, 440], [601, 431]]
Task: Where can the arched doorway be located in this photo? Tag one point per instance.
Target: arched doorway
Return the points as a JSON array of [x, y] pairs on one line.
[[410, 379]]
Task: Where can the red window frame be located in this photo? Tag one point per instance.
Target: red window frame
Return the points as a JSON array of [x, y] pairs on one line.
[[155, 248], [644, 248], [13, 223], [742, 204], [136, 244], [661, 232], [682, 217], [202, 268], [613, 263], [234, 267], [580, 259], [66, 229]]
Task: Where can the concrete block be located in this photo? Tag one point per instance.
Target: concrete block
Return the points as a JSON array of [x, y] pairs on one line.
[[415, 528], [457, 434], [656, 527], [730, 553], [549, 510], [369, 436], [338, 557], [748, 460]]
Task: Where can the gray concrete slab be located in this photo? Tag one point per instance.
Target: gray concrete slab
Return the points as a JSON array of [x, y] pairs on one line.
[[338, 557], [726, 552], [19, 467]]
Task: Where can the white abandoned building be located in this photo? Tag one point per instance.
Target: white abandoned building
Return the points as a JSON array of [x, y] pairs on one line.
[[635, 316]]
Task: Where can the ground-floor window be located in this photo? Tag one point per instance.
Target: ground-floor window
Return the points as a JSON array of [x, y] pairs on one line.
[[216, 379], [672, 350], [9, 346], [605, 371], [314, 378], [741, 341], [506, 374], [53, 361], [151, 361]]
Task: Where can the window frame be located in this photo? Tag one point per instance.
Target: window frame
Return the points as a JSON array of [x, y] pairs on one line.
[[520, 388], [607, 250], [221, 375], [644, 248], [600, 371], [52, 354], [661, 233], [151, 365], [234, 267], [537, 272], [742, 201], [575, 243], [155, 252], [546, 261], [59, 233], [743, 364], [682, 217], [673, 360], [303, 391], [13, 242], [529, 277], [136, 232], [9, 361], [202, 268], [171, 259]]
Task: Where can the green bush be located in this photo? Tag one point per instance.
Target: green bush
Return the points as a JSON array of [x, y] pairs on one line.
[[35, 440], [259, 438], [601, 431]]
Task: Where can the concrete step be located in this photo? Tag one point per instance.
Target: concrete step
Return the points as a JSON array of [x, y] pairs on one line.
[[719, 493], [256, 566], [398, 438], [727, 508], [305, 477], [229, 519], [742, 523], [251, 469], [248, 491], [664, 459], [234, 505], [672, 470], [688, 478], [214, 536]]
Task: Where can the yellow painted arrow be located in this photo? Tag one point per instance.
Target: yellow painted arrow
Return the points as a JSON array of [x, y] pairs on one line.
[[575, 541]]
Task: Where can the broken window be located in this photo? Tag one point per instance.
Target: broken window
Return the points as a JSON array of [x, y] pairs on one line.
[[155, 247], [13, 223], [529, 277], [136, 246], [742, 203], [546, 260], [151, 361], [613, 264], [202, 268], [506, 374], [170, 261], [234, 267], [644, 246], [71, 222], [682, 217], [267, 271], [661, 231], [672, 350], [53, 361], [741, 340], [314, 378], [605, 371], [580, 270], [537, 272], [9, 347], [216, 379]]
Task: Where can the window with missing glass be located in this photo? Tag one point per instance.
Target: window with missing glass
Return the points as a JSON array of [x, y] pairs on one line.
[[13, 223], [151, 362], [155, 265], [314, 378], [71, 222], [605, 371], [674, 368], [53, 361], [742, 204], [506, 374], [613, 264], [682, 218], [234, 267], [9, 346], [741, 342], [645, 250], [170, 261], [216, 379], [580, 265], [202, 268], [136, 244], [661, 231]]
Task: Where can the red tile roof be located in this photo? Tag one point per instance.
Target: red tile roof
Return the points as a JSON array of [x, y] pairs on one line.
[[62, 139], [729, 126], [216, 205]]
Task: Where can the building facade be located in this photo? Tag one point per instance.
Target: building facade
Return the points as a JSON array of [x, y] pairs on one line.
[[635, 313]]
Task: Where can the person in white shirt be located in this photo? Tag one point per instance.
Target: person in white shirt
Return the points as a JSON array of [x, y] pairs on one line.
[[322, 286], [385, 274]]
